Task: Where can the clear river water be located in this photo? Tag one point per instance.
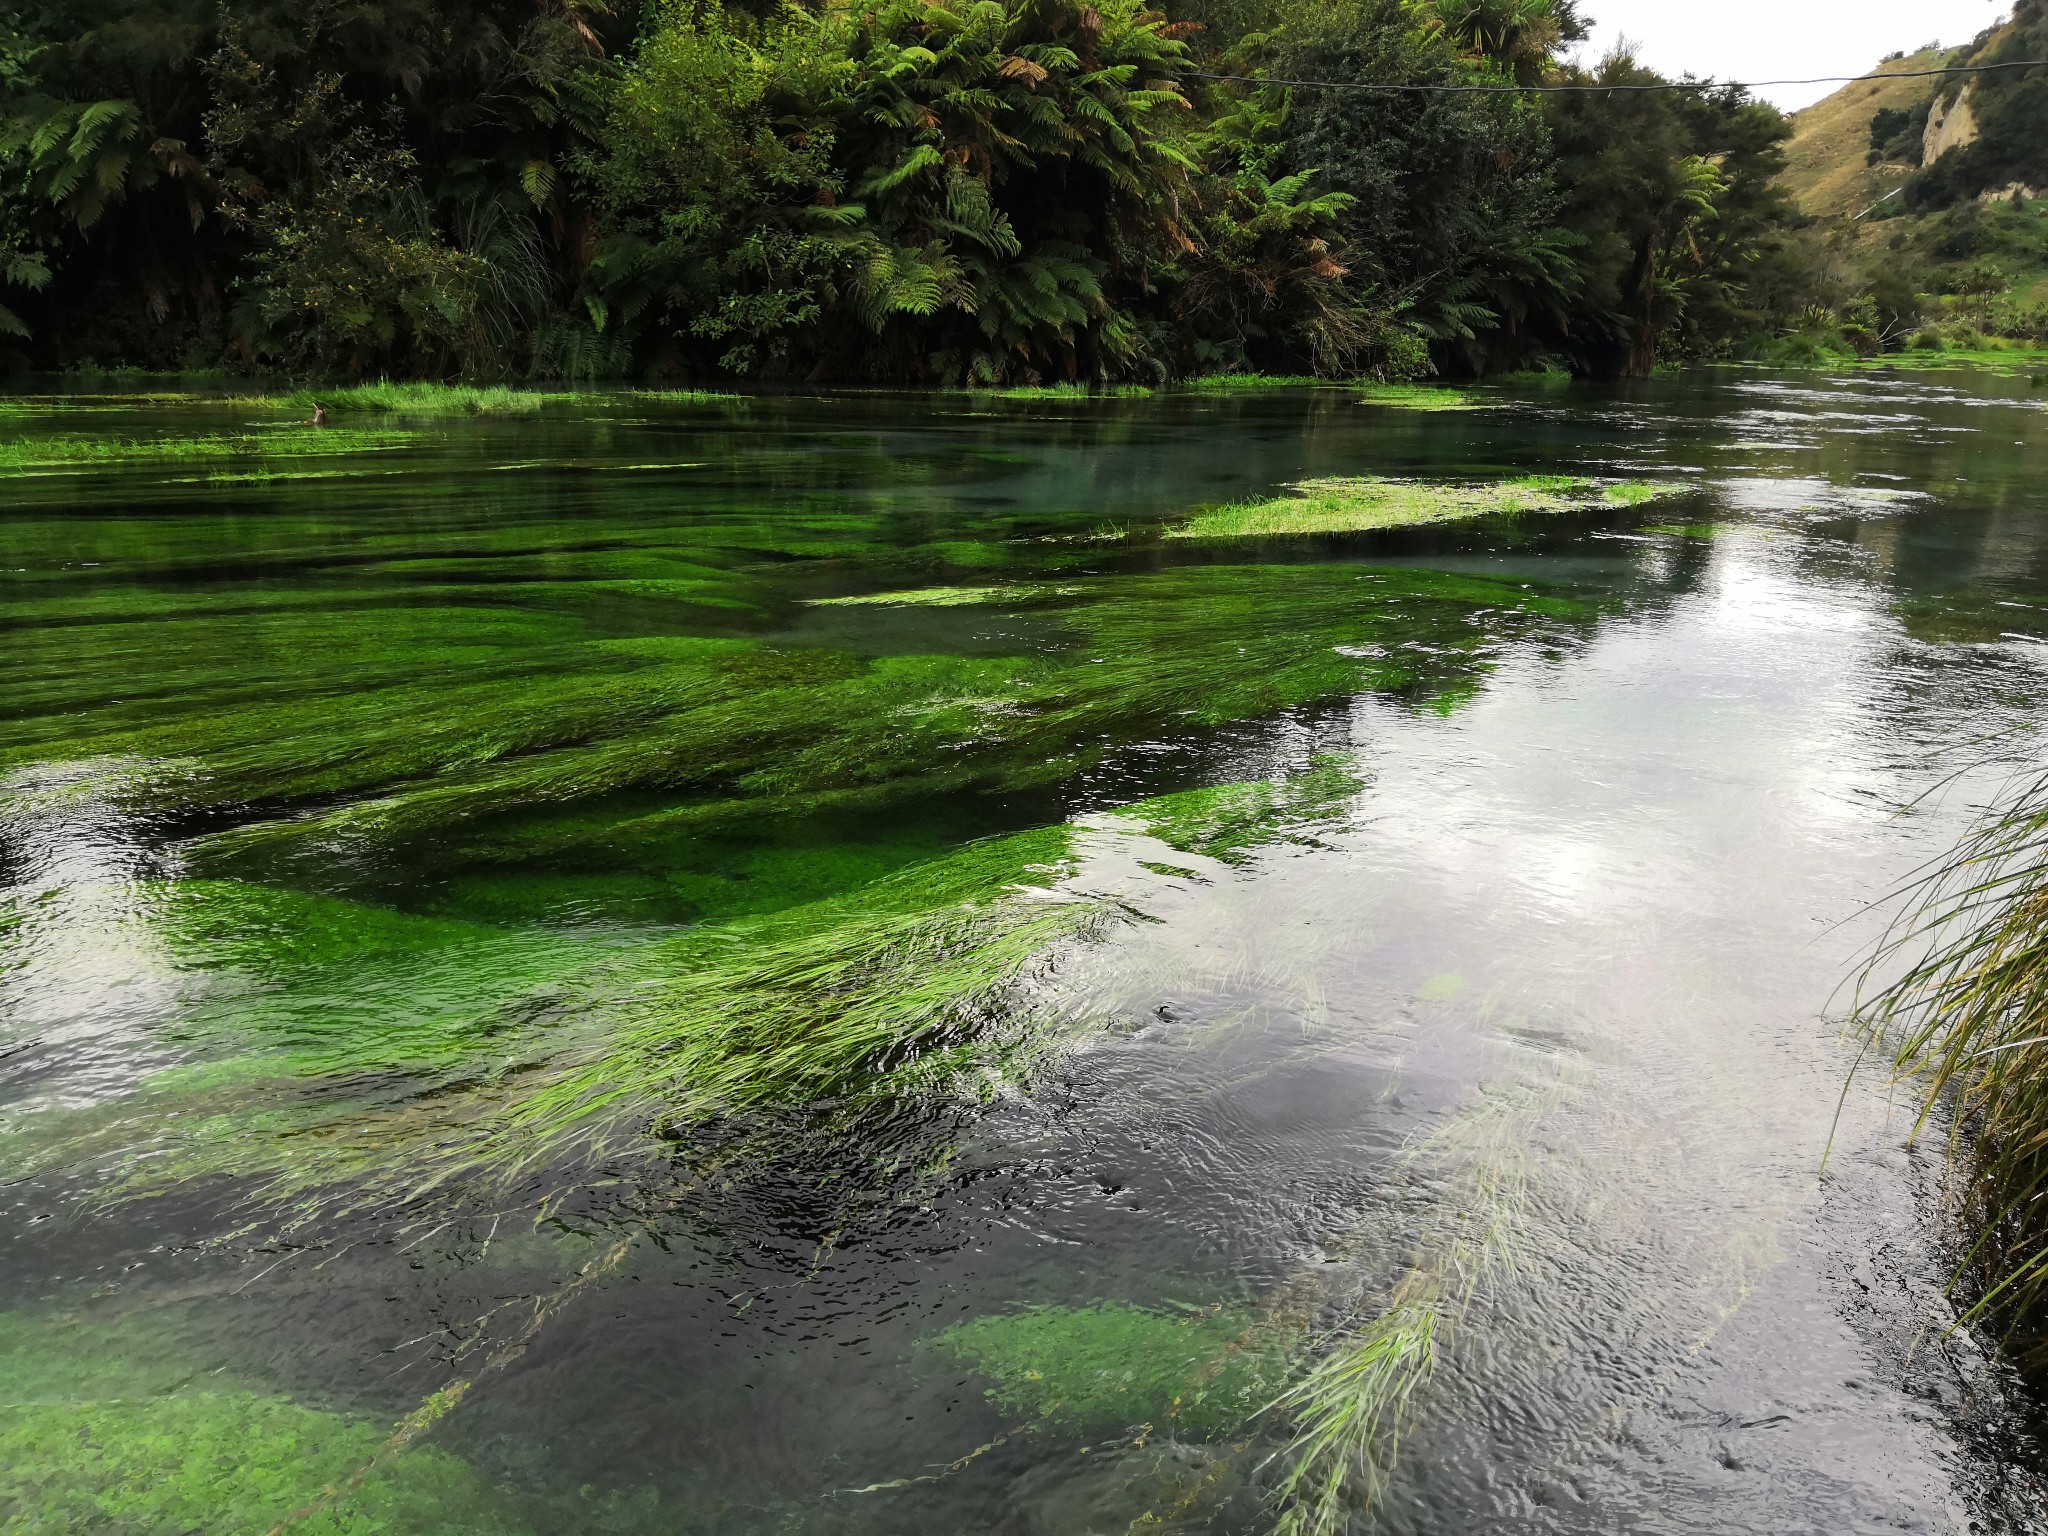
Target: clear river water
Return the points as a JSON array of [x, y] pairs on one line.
[[799, 965]]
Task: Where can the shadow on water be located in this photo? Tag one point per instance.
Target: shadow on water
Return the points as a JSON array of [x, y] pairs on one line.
[[788, 965]]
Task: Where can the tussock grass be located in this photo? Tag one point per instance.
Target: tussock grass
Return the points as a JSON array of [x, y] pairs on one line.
[[386, 398], [1367, 503], [1968, 1023]]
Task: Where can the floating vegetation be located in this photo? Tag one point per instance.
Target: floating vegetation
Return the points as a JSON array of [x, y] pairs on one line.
[[386, 398], [1367, 503], [1113, 1366], [1255, 383], [480, 738], [78, 453], [1068, 392], [1408, 397], [1967, 1022], [746, 730], [1419, 397], [936, 597]]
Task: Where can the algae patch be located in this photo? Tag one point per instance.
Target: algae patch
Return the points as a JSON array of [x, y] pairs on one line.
[[932, 597], [1117, 1366], [80, 454], [94, 1438], [1366, 503]]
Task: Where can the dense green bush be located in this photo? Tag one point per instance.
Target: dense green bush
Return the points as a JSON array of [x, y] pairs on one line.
[[946, 191]]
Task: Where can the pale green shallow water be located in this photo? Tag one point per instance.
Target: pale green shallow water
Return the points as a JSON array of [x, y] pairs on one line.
[[478, 910]]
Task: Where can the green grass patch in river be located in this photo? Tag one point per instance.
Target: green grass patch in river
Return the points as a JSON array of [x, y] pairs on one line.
[[1368, 502], [391, 399], [1115, 1366], [80, 453]]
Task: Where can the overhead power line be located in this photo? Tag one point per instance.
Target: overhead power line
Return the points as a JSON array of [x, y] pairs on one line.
[[1560, 90]]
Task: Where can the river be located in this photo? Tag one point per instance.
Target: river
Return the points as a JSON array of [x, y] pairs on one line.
[[791, 965]]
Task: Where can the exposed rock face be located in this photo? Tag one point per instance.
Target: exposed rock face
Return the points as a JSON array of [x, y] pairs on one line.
[[1950, 126]]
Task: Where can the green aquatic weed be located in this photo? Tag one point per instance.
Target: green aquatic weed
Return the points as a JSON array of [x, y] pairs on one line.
[[1230, 821], [1418, 397], [78, 453], [95, 1437], [1117, 1366], [1366, 503], [1254, 383]]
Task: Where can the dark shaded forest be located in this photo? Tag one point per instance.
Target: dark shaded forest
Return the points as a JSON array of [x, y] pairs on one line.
[[987, 191]]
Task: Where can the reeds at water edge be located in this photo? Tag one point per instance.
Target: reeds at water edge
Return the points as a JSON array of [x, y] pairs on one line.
[[1967, 1023]]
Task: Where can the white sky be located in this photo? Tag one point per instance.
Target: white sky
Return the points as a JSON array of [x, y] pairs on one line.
[[1781, 39]]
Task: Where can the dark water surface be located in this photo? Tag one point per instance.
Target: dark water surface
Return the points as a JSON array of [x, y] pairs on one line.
[[792, 965]]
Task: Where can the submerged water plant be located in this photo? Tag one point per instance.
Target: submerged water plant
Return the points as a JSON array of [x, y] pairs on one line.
[[1111, 1366], [96, 1437], [74, 453], [1366, 503], [386, 398]]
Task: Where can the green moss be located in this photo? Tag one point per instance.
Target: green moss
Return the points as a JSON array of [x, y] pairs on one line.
[[1419, 397], [95, 1439], [112, 1428], [1359, 505], [1114, 1366]]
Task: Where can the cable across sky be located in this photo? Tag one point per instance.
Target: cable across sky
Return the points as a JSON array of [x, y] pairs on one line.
[[1559, 90]]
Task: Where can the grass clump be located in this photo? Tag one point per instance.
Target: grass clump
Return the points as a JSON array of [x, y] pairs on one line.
[[1968, 1022], [1115, 1366], [1368, 503], [386, 398]]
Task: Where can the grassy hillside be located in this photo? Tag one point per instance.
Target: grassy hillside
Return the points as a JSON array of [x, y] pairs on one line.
[[1826, 164], [1906, 253]]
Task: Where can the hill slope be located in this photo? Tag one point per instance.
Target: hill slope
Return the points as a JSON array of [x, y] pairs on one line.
[[1826, 165], [1951, 224]]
